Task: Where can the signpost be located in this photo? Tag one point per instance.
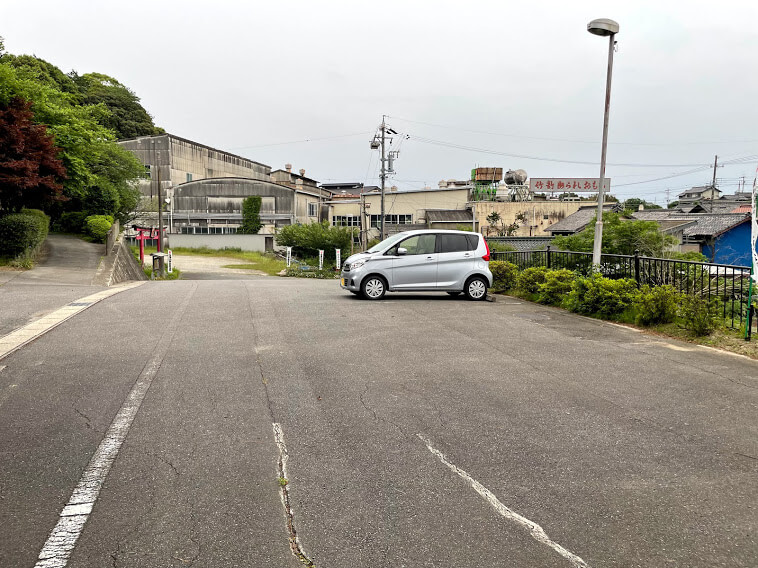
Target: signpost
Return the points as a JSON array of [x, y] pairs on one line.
[[338, 258], [320, 259], [289, 256], [170, 257]]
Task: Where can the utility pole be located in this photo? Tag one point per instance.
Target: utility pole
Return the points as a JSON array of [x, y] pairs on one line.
[[384, 175], [668, 199], [713, 183]]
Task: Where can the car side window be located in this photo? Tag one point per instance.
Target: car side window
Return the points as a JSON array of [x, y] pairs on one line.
[[453, 243], [419, 244]]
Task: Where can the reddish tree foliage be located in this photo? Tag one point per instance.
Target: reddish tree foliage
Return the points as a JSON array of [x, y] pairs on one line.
[[30, 169]]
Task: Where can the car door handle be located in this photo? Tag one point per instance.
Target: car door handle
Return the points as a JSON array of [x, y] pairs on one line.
[[429, 258]]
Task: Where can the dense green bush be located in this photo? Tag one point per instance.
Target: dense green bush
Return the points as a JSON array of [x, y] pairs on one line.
[[700, 315], [504, 275], [21, 233], [529, 280], [71, 222], [657, 305], [98, 226], [557, 286], [596, 295], [306, 240]]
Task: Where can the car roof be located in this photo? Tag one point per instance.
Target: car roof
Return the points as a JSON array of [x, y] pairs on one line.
[[424, 231]]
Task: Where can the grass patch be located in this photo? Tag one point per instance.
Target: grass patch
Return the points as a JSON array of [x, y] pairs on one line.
[[265, 262]]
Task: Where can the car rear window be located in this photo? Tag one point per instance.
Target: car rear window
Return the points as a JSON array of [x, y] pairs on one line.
[[456, 243]]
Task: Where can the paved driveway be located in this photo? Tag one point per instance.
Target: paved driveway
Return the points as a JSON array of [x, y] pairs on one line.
[[228, 423], [201, 267]]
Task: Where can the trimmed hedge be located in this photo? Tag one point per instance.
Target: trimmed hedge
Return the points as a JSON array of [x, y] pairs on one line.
[[600, 296], [98, 226], [504, 274], [21, 233]]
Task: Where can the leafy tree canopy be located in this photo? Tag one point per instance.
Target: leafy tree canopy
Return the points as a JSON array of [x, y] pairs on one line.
[[126, 117], [620, 236], [99, 172], [633, 204]]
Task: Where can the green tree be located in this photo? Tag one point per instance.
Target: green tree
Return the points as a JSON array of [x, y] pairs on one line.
[[633, 204], [125, 116], [94, 163], [251, 215], [307, 239], [673, 205], [620, 236]]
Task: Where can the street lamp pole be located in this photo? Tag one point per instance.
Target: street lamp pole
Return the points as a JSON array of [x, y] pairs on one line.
[[603, 27]]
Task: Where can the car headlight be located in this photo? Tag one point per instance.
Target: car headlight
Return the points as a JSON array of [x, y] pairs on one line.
[[357, 264]]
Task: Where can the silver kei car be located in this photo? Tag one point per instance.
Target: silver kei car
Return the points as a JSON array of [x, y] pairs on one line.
[[421, 261]]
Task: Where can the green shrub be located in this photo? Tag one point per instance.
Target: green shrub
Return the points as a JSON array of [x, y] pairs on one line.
[[699, 315], [98, 226], [504, 275], [297, 271], [529, 280], [656, 305], [71, 222], [306, 240], [556, 287], [21, 233], [596, 295]]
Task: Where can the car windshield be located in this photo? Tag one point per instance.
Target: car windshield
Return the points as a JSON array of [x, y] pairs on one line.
[[386, 243]]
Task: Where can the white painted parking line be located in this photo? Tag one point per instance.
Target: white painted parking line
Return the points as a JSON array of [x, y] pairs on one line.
[[23, 335], [62, 540], [536, 531]]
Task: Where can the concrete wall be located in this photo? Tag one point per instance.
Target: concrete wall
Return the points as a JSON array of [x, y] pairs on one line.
[[535, 212], [119, 265], [260, 243]]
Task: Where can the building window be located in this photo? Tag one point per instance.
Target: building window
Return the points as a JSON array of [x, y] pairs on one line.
[[395, 219], [148, 172], [189, 177], [346, 221], [312, 209]]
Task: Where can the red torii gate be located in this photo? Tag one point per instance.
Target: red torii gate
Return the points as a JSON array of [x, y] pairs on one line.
[[144, 234]]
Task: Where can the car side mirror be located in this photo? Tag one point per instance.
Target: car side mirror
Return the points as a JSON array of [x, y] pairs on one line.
[[402, 251]]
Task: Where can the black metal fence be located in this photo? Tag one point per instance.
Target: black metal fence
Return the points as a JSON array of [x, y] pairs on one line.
[[726, 283]]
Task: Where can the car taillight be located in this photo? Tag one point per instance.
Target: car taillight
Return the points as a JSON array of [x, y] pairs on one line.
[[486, 256]]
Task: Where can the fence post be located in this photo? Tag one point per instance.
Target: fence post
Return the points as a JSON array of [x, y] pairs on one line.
[[637, 267], [547, 250]]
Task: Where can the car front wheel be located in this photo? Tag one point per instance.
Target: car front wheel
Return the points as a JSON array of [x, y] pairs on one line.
[[476, 288], [373, 288]]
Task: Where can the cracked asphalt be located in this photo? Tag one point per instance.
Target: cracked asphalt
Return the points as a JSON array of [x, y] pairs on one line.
[[628, 450]]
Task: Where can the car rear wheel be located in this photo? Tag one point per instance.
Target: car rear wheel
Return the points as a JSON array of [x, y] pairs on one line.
[[476, 288], [373, 288]]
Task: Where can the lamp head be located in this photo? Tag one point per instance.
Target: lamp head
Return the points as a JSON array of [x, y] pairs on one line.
[[603, 27]]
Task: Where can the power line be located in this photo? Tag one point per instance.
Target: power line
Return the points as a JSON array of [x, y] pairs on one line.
[[544, 159], [521, 137]]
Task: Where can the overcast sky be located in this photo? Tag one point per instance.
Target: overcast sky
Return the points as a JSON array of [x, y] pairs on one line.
[[466, 83]]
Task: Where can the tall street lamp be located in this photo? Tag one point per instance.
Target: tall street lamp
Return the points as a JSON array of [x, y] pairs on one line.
[[603, 27]]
